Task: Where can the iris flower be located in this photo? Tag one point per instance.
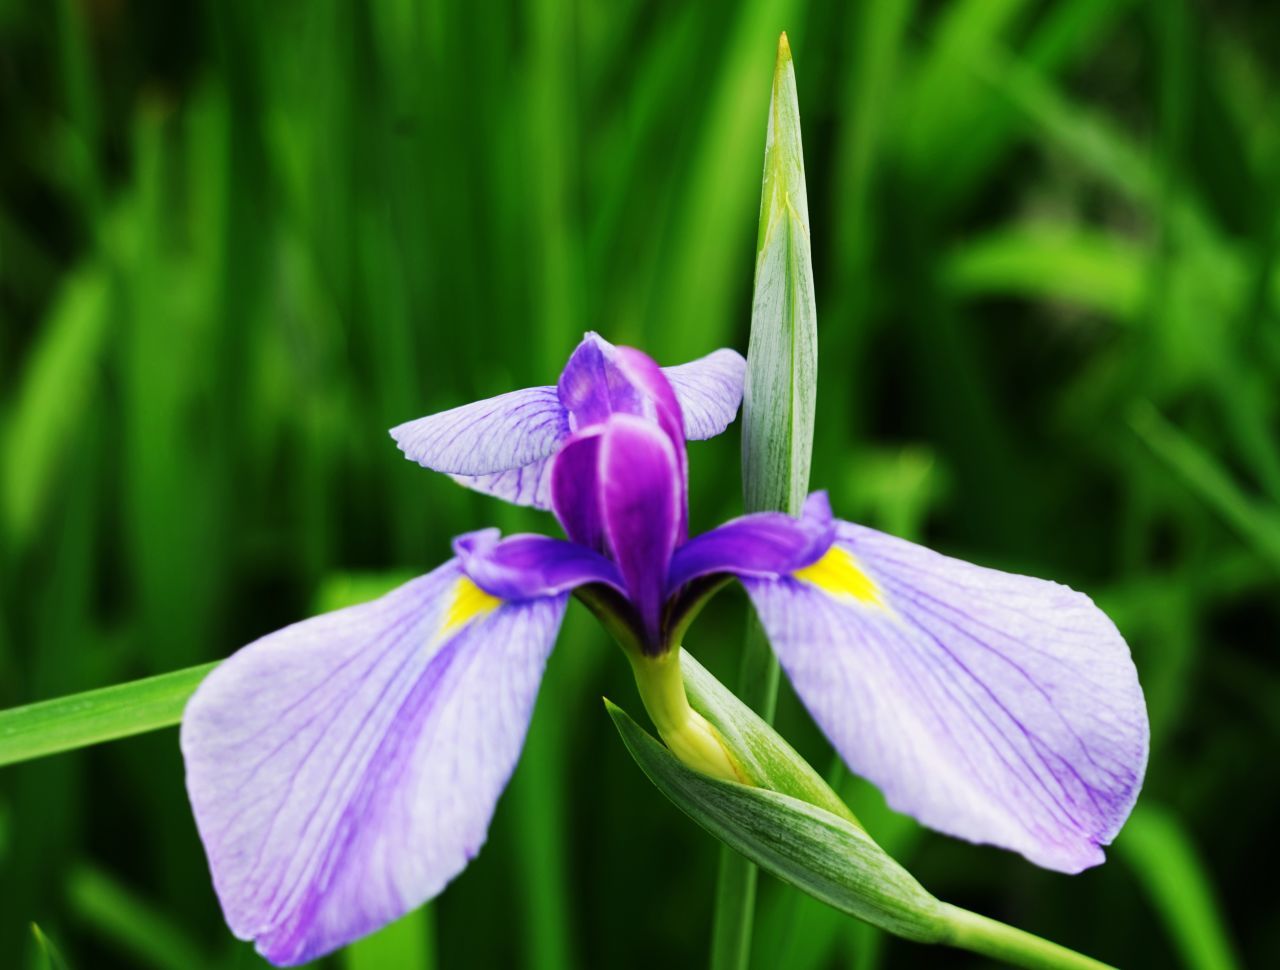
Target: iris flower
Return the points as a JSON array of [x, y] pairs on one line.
[[344, 769]]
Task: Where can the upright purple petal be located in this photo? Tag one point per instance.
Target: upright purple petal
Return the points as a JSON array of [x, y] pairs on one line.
[[994, 707], [575, 489], [640, 371], [345, 768], [602, 380], [642, 506], [591, 387], [709, 390], [664, 410]]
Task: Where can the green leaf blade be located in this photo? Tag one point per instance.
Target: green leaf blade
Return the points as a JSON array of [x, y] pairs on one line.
[[778, 407], [780, 397], [67, 723]]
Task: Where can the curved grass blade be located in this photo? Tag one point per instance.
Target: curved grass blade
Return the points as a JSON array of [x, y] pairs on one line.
[[1256, 522], [1164, 860], [79, 720], [135, 925], [46, 956]]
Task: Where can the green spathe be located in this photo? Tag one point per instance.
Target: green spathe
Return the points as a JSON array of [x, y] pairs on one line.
[[760, 752], [832, 859], [814, 850]]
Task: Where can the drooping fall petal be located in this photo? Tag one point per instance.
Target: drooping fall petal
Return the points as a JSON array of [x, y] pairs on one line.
[[994, 707], [345, 768]]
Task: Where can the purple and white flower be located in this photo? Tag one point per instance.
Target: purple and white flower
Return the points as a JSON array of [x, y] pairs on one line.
[[503, 446], [344, 769]]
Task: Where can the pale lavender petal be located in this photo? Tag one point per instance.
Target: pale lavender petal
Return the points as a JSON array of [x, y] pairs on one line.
[[344, 769], [768, 544], [527, 485], [642, 503], [526, 566], [998, 708], [709, 390], [495, 437]]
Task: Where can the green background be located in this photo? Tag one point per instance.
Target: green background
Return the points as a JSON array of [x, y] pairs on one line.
[[239, 241]]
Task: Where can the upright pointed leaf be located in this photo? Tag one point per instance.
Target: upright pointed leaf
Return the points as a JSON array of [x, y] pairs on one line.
[[782, 360], [778, 407]]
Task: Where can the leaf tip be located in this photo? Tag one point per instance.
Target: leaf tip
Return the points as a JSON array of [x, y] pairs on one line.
[[784, 48]]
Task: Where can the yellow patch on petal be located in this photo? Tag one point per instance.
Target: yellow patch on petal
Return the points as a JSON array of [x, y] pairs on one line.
[[839, 574], [469, 602]]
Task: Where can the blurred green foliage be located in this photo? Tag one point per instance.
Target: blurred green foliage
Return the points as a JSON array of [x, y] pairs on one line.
[[240, 241]]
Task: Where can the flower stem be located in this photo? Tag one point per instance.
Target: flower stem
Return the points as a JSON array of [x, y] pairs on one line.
[[736, 882], [687, 733], [991, 938]]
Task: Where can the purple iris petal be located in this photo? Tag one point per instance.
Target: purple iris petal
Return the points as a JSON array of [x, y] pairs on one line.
[[601, 379], [501, 446], [994, 707], [575, 489], [345, 768], [523, 567], [769, 544], [642, 507], [592, 387]]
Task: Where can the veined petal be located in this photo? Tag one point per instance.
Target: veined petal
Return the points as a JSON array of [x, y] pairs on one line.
[[591, 387], [709, 390], [502, 446], [526, 485], [345, 768], [994, 707], [764, 544], [495, 435], [642, 508], [527, 566]]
